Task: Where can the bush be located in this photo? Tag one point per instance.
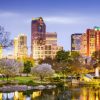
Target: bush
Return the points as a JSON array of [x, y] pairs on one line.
[[22, 83], [30, 83], [96, 77], [61, 84], [56, 79]]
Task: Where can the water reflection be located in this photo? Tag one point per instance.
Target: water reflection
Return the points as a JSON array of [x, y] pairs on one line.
[[36, 94], [79, 93], [90, 94]]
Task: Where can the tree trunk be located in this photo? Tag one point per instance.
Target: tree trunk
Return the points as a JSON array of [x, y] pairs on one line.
[[27, 74], [41, 79], [7, 78]]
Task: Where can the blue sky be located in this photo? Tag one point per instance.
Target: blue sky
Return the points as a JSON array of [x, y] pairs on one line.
[[62, 16]]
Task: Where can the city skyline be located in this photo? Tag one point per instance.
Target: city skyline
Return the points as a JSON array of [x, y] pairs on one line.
[[65, 17]]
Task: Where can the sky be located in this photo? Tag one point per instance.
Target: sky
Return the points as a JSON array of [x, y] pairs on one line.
[[65, 17]]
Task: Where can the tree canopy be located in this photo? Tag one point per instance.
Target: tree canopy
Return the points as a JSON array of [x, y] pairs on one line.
[[96, 59], [43, 70], [69, 61], [27, 66], [10, 67], [5, 40]]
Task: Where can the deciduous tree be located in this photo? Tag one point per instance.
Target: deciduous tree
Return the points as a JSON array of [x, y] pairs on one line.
[[43, 70], [10, 67], [5, 40], [27, 67]]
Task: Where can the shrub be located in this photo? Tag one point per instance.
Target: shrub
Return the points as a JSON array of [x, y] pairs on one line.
[[30, 83], [61, 84], [56, 79]]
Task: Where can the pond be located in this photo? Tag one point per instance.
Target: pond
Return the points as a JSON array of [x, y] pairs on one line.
[[76, 93]]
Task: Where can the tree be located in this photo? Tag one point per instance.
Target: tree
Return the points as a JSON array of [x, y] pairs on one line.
[[62, 59], [68, 63], [76, 62], [43, 70], [62, 56], [10, 67], [27, 67], [5, 40], [25, 59], [96, 62], [47, 60]]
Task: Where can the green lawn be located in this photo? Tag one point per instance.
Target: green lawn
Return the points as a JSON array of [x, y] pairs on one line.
[[17, 80], [23, 80]]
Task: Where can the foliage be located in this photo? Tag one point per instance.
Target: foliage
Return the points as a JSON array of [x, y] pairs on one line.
[[43, 70], [5, 40], [95, 61], [62, 56], [27, 67], [68, 63], [76, 63], [30, 83], [47, 60], [10, 67], [25, 59]]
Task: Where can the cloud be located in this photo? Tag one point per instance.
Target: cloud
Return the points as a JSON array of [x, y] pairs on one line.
[[8, 14], [72, 20], [62, 20]]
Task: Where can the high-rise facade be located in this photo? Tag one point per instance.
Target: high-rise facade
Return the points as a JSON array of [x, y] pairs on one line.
[[76, 42], [86, 43], [20, 46], [83, 49], [1, 52], [38, 31], [91, 41], [43, 44], [1, 47], [51, 47]]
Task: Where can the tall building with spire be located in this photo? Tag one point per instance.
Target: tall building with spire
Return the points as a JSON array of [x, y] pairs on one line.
[[43, 44], [20, 46]]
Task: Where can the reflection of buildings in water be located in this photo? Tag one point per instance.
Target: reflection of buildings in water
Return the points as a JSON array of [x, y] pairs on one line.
[[53, 93], [0, 96], [90, 94], [12, 96], [84, 93], [7, 96], [19, 96], [36, 94]]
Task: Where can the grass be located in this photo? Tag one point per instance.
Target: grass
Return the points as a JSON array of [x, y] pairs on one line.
[[23, 80], [17, 80]]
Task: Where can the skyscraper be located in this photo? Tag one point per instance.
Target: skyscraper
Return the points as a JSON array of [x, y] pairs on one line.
[[90, 41], [38, 30], [20, 46], [76, 42], [43, 44], [1, 48], [1, 52]]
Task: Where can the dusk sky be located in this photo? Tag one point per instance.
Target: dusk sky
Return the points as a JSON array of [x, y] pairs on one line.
[[62, 16]]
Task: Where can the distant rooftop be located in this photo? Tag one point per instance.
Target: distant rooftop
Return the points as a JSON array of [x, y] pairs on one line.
[[97, 28], [37, 18], [21, 34]]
